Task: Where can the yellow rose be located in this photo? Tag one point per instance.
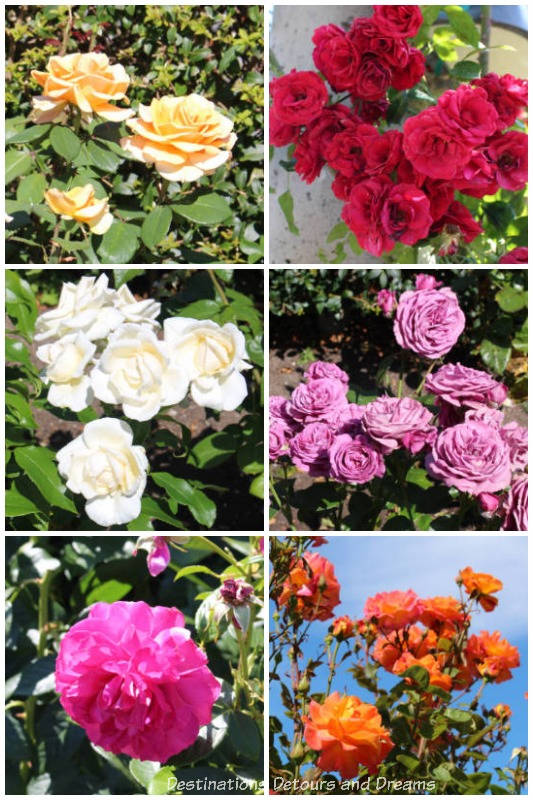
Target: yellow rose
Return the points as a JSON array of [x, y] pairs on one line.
[[81, 204], [185, 137], [85, 80]]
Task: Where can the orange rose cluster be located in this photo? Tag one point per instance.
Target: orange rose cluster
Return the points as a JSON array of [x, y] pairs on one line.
[[313, 583]]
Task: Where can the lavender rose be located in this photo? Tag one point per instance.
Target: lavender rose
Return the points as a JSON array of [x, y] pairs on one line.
[[347, 419], [277, 407], [425, 281], [490, 416], [386, 300], [355, 460], [391, 421], [516, 505], [463, 386], [278, 439], [516, 437], [472, 457], [309, 449], [316, 400], [428, 321], [324, 369]]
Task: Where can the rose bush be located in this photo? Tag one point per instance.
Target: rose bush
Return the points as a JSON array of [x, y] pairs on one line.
[[134, 374], [135, 135], [424, 153], [128, 674]]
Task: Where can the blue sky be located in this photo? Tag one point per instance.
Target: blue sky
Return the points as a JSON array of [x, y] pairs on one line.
[[366, 565]]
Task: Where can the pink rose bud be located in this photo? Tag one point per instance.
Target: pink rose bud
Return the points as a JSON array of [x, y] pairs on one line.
[[159, 556], [387, 301], [488, 502], [236, 592], [424, 281]]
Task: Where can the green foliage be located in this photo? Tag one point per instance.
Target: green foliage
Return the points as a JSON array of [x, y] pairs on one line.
[[209, 50]]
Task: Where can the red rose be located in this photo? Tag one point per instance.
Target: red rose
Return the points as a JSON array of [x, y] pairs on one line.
[[299, 97], [342, 186], [362, 214], [368, 38], [516, 256], [467, 111], [310, 152], [373, 78], [371, 111], [382, 152], [478, 176], [345, 151], [507, 94], [431, 148], [403, 21], [335, 56], [281, 133], [440, 194], [405, 215], [408, 174], [409, 75], [458, 223], [508, 152]]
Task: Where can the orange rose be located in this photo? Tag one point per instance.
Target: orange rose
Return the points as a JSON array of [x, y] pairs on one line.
[[436, 677], [347, 733], [387, 650], [185, 137], [312, 581], [343, 627], [81, 204], [502, 711], [492, 656], [393, 610], [442, 613], [85, 80], [480, 585]]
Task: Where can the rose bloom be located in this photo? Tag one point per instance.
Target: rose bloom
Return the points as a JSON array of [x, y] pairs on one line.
[[344, 152], [382, 153], [458, 225], [298, 97], [343, 627], [84, 80], [508, 151], [309, 449], [428, 322], [348, 734], [81, 205], [131, 676], [138, 311], [477, 178], [371, 110], [432, 148], [363, 214], [516, 437], [313, 583], [492, 656], [490, 416], [277, 407], [184, 137], [212, 357], [278, 439], [312, 147], [347, 419], [502, 711], [472, 457], [424, 281], [325, 369], [335, 56], [388, 420], [463, 386], [355, 459], [401, 21], [393, 610], [159, 556], [315, 400], [280, 133], [480, 585], [373, 78], [405, 216], [429, 662], [441, 612], [368, 37], [86, 306], [388, 649], [134, 370], [66, 360], [386, 300], [105, 467], [489, 503], [516, 256], [409, 75], [507, 94], [516, 505], [467, 111]]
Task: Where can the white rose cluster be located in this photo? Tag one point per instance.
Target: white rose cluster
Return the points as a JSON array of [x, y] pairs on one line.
[[102, 343]]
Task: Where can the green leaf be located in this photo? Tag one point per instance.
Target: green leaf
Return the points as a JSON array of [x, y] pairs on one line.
[[119, 243], [17, 163], [38, 464], [520, 341], [124, 275], [408, 761], [103, 158], [144, 771], [17, 505], [419, 675], [431, 13], [160, 782], [257, 486], [419, 476], [244, 735], [458, 718], [155, 226], [208, 209], [193, 569], [494, 356], [511, 300], [65, 142], [30, 134], [286, 203], [151, 509], [216, 448], [200, 505], [17, 745], [466, 70], [37, 677], [17, 353], [39, 785], [108, 592], [20, 410], [338, 231], [31, 189], [463, 25]]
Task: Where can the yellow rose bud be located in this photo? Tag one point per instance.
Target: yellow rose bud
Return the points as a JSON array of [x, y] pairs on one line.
[[81, 204], [85, 80], [185, 137]]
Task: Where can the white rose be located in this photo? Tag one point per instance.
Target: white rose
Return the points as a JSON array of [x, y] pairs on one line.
[[86, 306], [135, 370], [66, 361], [136, 310], [212, 357], [110, 472]]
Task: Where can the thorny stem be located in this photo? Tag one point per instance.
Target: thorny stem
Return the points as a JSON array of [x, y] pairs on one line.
[[44, 590], [218, 286], [424, 377], [66, 32], [332, 667]]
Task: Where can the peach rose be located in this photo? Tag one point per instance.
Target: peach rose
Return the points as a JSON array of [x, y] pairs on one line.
[[343, 627], [429, 662], [393, 610], [347, 733], [492, 656], [502, 711], [85, 80], [313, 583], [185, 137], [387, 650], [440, 613], [480, 585], [81, 204]]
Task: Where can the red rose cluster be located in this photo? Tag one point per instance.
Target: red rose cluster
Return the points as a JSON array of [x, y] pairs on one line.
[[398, 185]]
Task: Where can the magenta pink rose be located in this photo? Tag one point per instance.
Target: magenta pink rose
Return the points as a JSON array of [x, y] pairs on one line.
[[388, 420], [463, 386], [428, 322], [489, 503], [516, 256], [317, 399], [326, 369], [472, 457], [386, 300], [424, 281], [158, 558], [516, 506], [309, 449], [516, 437], [279, 434], [355, 460], [132, 677]]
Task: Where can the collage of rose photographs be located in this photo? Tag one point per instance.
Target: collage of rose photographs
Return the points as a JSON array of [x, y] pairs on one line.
[[187, 611]]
